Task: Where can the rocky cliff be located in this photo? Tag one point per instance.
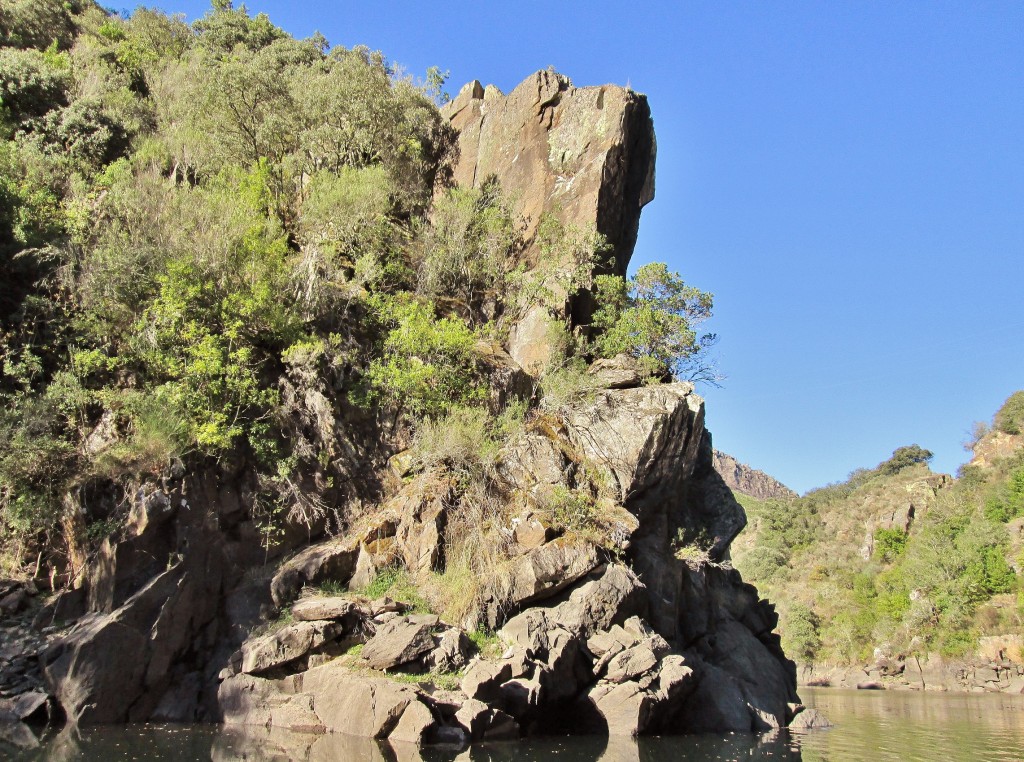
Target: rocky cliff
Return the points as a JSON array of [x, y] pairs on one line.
[[740, 477], [608, 607]]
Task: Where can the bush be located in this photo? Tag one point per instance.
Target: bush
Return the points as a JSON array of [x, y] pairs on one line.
[[1010, 417], [904, 457], [468, 247], [428, 365], [889, 544], [800, 627], [652, 317]]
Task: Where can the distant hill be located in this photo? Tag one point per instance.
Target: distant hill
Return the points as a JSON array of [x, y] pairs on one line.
[[898, 560], [742, 478]]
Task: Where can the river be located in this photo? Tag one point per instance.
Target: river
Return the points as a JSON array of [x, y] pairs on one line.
[[868, 725]]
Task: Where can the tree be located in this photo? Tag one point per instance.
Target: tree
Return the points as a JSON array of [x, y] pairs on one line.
[[652, 317], [904, 457]]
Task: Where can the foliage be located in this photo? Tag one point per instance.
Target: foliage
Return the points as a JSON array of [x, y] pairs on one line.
[[427, 364], [653, 317], [920, 590], [394, 582], [468, 249], [889, 544], [1010, 417], [904, 457]]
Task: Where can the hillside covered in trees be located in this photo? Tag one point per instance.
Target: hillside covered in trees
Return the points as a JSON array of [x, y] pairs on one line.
[[309, 382], [898, 560], [209, 230]]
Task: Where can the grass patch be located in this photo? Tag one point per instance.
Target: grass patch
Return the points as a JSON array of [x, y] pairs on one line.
[[487, 643], [395, 582]]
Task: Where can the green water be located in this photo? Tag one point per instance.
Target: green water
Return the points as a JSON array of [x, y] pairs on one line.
[[869, 725]]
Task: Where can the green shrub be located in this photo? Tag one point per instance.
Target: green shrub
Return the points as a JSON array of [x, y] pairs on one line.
[[428, 364], [889, 544], [801, 639], [1010, 417], [468, 247], [652, 317]]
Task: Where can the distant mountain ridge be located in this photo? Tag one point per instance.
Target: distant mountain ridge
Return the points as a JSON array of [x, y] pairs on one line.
[[742, 478]]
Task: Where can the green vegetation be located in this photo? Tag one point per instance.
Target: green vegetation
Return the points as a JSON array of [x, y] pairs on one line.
[[847, 576], [222, 247], [653, 317]]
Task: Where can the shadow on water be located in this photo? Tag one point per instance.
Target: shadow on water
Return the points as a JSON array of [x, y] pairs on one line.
[[881, 726], [170, 742]]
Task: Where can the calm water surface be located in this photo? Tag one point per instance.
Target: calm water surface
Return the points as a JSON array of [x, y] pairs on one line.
[[869, 725]]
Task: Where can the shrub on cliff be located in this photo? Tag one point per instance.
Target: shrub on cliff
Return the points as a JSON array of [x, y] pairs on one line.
[[653, 317], [1010, 416]]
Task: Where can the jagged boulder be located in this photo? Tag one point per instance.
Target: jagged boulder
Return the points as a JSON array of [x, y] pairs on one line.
[[541, 573], [331, 561], [287, 645], [400, 641], [639, 438]]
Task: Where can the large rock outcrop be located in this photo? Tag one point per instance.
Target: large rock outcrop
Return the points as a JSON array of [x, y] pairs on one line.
[[664, 640], [616, 612], [584, 156]]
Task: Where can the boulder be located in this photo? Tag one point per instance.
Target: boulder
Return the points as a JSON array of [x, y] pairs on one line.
[[414, 725], [327, 698], [532, 460], [530, 531], [619, 372], [422, 508], [287, 645], [450, 650], [630, 664], [623, 710], [400, 641], [541, 573], [506, 378], [331, 561], [483, 679], [606, 598], [317, 609], [639, 438], [809, 719]]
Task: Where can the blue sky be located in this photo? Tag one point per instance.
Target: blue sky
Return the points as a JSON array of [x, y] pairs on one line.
[[846, 177]]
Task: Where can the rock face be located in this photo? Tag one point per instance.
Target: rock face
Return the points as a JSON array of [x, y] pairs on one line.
[[612, 601], [740, 477], [582, 155]]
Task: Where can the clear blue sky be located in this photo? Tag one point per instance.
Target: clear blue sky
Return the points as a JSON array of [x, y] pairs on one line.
[[846, 177]]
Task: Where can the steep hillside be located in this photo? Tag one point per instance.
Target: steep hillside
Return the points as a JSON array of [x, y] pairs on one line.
[[749, 481], [899, 562], [315, 392]]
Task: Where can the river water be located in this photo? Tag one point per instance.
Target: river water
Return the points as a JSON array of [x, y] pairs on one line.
[[868, 725]]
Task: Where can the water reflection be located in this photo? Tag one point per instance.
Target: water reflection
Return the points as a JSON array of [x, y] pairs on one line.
[[870, 725], [202, 743], [272, 745]]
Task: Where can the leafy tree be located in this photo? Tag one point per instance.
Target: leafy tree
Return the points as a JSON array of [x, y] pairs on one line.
[[1010, 416], [904, 457], [801, 639], [889, 544], [652, 317]]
